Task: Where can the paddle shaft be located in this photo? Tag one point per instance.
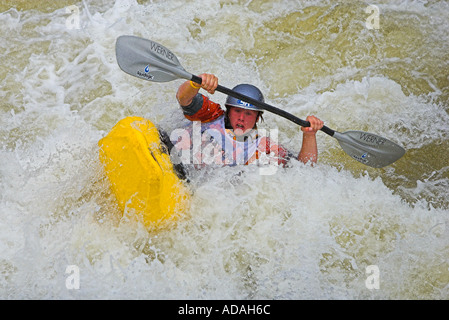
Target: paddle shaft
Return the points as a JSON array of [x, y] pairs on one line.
[[264, 106]]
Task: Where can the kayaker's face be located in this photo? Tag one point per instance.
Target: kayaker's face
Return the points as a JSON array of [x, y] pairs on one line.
[[242, 120]]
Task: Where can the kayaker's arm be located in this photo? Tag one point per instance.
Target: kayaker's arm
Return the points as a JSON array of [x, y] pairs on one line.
[[186, 93], [309, 149], [188, 90]]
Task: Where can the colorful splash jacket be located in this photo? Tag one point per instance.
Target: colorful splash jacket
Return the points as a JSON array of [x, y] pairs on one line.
[[208, 140]]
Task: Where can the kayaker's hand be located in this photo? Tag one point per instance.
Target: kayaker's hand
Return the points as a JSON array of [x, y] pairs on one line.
[[209, 82], [315, 125], [189, 89]]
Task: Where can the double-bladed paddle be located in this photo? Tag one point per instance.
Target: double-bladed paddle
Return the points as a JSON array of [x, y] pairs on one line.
[[148, 60]]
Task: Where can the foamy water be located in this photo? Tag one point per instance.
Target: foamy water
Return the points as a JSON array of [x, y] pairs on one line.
[[302, 233]]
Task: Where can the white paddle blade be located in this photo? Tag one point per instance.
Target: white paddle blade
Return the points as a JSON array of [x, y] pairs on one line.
[[148, 60], [369, 149]]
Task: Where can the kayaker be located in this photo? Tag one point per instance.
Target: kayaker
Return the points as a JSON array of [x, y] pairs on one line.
[[230, 137]]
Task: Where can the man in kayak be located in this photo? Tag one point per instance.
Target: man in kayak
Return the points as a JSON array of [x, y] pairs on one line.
[[231, 137]]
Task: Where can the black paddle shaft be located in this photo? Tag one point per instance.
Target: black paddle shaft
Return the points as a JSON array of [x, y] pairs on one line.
[[264, 106]]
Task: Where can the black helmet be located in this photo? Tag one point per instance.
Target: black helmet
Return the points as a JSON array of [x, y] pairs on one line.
[[248, 90]]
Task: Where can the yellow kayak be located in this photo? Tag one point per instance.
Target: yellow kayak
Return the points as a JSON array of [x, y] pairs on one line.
[[140, 172]]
